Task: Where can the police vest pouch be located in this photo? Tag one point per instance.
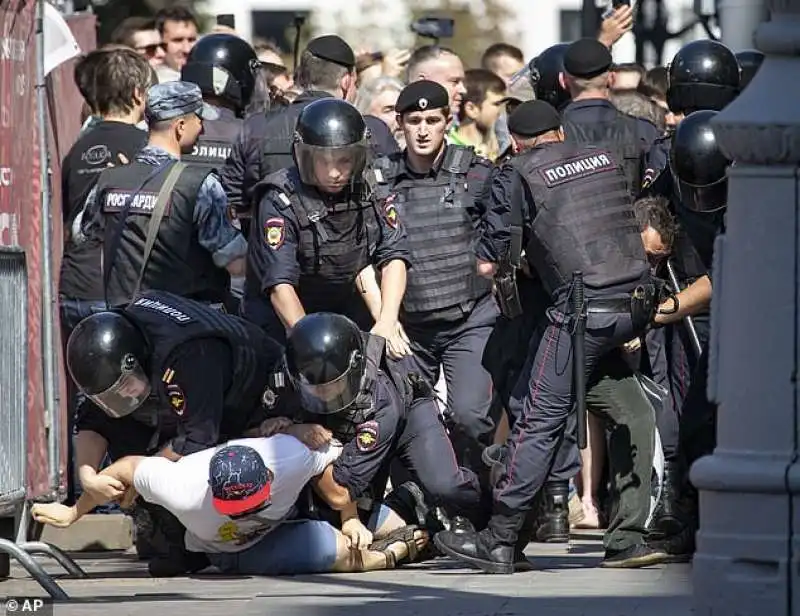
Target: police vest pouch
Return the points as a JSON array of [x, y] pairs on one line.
[[172, 178]]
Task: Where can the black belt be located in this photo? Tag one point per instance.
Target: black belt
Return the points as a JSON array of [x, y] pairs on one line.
[[617, 305]]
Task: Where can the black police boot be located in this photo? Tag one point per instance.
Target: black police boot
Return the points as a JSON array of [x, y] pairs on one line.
[[143, 533], [525, 535], [667, 520], [491, 550], [554, 513]]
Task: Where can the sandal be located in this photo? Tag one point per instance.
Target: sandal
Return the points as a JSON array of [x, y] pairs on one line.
[[405, 534]]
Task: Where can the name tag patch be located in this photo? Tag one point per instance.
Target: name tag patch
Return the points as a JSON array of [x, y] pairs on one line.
[[576, 168], [141, 203], [168, 311]]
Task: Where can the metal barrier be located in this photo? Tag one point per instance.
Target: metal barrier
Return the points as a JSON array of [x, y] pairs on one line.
[[13, 377], [13, 421]]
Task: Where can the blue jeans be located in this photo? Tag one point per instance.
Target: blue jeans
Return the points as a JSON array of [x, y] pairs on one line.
[[73, 311], [295, 547]]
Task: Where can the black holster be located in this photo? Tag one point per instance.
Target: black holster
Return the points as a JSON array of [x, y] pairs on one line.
[[507, 293], [644, 302]]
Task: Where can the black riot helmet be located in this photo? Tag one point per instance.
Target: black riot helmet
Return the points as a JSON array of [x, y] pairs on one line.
[[105, 355], [749, 62], [224, 66], [698, 164], [702, 75], [330, 144], [545, 70], [325, 360]]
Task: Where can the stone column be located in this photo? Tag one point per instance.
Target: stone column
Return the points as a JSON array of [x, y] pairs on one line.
[[747, 561], [738, 20]]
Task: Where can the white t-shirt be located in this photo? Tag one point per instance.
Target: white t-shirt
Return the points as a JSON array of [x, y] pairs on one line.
[[182, 488]]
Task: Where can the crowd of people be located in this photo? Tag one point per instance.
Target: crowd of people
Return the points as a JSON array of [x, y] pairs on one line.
[[267, 272]]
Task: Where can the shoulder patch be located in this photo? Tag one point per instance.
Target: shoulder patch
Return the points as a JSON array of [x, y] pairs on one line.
[[576, 168], [274, 232], [367, 435], [390, 211], [177, 400]]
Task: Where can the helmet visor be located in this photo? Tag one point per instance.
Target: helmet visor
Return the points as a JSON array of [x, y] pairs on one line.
[[334, 396], [709, 198], [330, 168], [127, 393]]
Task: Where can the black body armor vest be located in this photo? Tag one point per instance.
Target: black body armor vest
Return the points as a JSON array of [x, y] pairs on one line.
[[441, 234], [621, 136], [214, 145], [336, 239], [178, 263], [583, 220], [169, 321]]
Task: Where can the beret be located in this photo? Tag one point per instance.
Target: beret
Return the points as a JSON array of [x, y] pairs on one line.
[[533, 118], [333, 49], [422, 95], [587, 58]]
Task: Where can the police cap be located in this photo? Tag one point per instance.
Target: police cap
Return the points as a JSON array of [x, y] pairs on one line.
[[333, 49], [587, 58], [422, 95], [172, 99], [533, 118]]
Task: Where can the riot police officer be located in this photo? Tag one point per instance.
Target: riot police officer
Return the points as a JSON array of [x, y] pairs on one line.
[[211, 369], [378, 411], [591, 118], [164, 225], [448, 310], [225, 67], [578, 215], [173, 377], [704, 75], [698, 169], [318, 228], [326, 69]]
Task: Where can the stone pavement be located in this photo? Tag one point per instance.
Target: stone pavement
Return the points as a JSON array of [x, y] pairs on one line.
[[565, 584]]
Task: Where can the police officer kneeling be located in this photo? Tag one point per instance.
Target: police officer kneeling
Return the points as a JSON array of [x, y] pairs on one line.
[[579, 218], [345, 383], [174, 367]]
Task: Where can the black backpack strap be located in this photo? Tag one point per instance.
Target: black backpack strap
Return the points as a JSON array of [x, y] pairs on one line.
[[456, 163]]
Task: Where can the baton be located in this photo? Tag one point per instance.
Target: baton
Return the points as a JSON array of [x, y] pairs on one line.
[[579, 354], [688, 322]]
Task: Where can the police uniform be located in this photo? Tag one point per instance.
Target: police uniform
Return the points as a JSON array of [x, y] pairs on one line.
[[209, 368], [578, 216], [394, 420], [448, 310], [264, 145], [195, 240], [214, 145], [596, 121]]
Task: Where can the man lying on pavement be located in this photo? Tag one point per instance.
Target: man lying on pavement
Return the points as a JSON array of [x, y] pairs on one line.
[[237, 502]]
